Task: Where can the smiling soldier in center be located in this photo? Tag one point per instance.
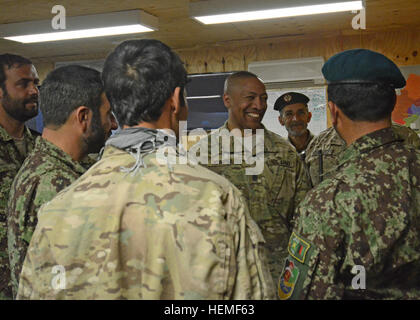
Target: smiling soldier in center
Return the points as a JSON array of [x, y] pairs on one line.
[[272, 195]]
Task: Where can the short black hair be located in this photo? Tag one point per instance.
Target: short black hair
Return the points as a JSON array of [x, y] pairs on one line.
[[364, 101], [67, 88], [237, 76], [9, 60], [139, 76]]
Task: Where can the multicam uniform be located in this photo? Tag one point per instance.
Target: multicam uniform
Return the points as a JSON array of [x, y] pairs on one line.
[[46, 171], [12, 156], [324, 150], [368, 215], [273, 195], [160, 232]]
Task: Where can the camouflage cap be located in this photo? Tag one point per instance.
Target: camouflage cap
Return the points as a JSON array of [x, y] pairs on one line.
[[362, 66]]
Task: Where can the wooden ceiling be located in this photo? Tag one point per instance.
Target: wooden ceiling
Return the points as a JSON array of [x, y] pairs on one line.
[[181, 32]]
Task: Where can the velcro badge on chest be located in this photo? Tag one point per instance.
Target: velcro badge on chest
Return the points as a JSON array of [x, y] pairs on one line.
[[285, 163], [288, 280], [298, 248]]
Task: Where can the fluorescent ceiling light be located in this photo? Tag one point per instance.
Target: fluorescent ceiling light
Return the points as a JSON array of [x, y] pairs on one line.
[[80, 34], [109, 24], [296, 8]]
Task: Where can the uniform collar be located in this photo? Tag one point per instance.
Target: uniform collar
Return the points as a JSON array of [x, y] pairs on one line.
[[225, 126], [336, 140], [268, 143], [308, 139], [367, 143], [4, 136], [43, 146]]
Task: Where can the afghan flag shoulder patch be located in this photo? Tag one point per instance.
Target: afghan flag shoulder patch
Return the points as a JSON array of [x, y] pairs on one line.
[[298, 248], [288, 280]]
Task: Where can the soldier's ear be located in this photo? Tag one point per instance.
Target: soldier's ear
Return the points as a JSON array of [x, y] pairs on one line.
[[333, 111], [281, 120], [227, 100], [83, 116], [175, 102], [309, 117]]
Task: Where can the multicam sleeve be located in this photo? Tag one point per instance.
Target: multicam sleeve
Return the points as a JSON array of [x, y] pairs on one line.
[[36, 279], [25, 290], [253, 279], [28, 276]]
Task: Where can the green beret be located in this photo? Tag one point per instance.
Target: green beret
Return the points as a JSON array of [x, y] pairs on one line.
[[362, 66], [290, 98]]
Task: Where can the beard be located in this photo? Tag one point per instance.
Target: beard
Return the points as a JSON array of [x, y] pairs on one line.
[[297, 133], [16, 108], [96, 140]]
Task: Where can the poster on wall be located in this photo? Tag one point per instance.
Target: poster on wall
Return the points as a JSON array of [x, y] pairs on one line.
[[407, 109], [317, 106]]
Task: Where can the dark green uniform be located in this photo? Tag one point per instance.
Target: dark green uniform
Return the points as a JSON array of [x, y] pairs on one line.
[[357, 234], [324, 150], [367, 215], [12, 156], [45, 172]]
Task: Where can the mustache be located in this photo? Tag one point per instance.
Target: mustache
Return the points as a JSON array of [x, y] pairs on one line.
[[32, 100], [301, 123]]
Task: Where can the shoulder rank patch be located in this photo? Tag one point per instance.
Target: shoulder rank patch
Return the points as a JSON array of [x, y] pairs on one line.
[[298, 248], [288, 280]]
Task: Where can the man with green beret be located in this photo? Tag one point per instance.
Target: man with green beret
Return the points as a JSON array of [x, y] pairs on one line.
[[357, 234], [295, 116]]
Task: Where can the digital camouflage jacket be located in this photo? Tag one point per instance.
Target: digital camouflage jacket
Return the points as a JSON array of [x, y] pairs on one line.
[[46, 171], [360, 228], [10, 162]]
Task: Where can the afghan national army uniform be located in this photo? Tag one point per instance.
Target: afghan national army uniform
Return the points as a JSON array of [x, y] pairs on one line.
[[367, 220], [137, 227], [324, 150], [46, 171], [12, 154], [273, 195]]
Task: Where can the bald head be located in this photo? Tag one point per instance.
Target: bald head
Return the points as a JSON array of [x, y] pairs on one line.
[[245, 98], [234, 80]]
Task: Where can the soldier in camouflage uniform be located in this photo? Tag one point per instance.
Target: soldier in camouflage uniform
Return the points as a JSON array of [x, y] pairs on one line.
[[361, 228], [77, 121], [272, 194], [324, 151], [135, 226], [18, 103]]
